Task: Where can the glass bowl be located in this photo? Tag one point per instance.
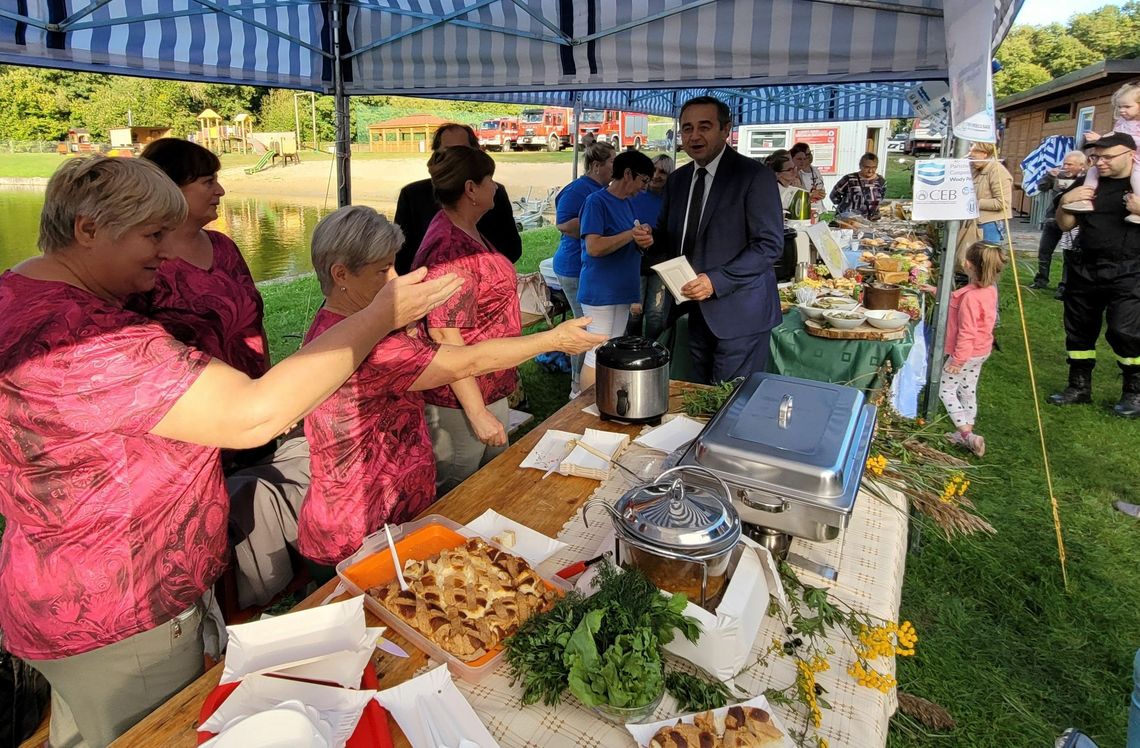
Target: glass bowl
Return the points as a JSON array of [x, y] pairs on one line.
[[629, 715]]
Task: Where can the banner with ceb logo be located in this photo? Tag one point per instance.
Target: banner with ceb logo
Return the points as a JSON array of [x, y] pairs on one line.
[[943, 190]]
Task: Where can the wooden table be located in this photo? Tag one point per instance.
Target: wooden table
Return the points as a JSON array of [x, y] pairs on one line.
[[544, 505]]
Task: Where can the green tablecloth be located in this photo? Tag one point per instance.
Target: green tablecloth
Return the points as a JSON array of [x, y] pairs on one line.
[[795, 353]]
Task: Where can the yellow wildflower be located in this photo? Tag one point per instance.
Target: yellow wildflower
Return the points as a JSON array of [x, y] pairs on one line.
[[805, 685], [876, 464]]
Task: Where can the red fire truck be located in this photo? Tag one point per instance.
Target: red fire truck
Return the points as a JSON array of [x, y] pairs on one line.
[[499, 134], [621, 129], [547, 128]]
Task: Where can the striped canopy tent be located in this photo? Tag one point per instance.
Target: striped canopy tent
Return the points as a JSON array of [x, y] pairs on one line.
[[771, 60]]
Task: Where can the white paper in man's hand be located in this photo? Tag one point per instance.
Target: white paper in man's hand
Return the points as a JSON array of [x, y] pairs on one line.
[[676, 273]]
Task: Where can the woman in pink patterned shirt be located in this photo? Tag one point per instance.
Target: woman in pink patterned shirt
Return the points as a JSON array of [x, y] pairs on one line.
[[468, 419], [205, 295], [109, 474], [371, 449]]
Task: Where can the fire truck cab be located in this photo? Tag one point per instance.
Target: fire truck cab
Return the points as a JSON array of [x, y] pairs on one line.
[[619, 129], [547, 128], [499, 134]]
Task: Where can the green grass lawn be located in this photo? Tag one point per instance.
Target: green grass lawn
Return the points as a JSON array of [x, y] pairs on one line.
[[1014, 656], [899, 173]]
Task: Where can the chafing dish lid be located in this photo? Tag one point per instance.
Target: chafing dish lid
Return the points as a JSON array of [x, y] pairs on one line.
[[678, 516], [785, 433]]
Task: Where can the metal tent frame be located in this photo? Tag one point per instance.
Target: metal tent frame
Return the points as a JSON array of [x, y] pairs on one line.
[[766, 58]]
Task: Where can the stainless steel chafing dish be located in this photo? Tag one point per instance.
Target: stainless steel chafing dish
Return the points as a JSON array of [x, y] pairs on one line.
[[683, 537], [792, 452]]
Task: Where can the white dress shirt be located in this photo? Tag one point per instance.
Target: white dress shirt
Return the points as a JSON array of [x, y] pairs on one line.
[[711, 169]]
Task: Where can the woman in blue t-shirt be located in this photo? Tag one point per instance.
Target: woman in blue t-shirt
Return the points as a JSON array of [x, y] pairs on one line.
[[568, 208], [611, 265]]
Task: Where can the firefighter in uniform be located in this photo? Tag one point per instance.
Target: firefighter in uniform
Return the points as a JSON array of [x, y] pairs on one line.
[[1104, 277]]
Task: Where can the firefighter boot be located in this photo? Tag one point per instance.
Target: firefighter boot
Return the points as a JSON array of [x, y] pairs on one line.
[[1129, 405], [1079, 389]]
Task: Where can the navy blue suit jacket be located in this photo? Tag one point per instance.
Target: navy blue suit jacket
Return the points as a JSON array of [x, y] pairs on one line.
[[740, 238]]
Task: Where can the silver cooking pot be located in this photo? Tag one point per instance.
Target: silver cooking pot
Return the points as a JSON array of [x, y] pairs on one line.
[[632, 380], [681, 536]]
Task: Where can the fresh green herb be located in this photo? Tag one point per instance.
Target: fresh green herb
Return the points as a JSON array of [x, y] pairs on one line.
[[633, 602], [606, 648], [535, 652], [706, 401], [696, 694]]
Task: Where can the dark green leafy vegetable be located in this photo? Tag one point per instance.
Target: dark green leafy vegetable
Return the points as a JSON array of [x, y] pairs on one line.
[[696, 694], [535, 652], [627, 674], [606, 648]]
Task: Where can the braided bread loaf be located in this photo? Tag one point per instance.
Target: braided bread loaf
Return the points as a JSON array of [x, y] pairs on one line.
[[467, 599]]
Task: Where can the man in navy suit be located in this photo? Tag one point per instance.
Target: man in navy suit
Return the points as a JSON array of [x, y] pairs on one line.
[[722, 211]]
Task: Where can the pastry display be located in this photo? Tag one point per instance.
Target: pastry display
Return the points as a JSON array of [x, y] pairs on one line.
[[467, 599], [743, 727]]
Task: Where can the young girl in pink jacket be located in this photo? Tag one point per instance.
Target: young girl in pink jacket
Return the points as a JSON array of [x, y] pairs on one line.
[[969, 340]]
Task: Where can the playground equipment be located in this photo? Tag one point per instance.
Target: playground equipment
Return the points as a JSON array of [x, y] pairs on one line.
[[210, 130], [244, 123], [283, 144], [136, 138], [222, 138]]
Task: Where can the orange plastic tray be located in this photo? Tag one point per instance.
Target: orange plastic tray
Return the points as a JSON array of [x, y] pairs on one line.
[[421, 539]]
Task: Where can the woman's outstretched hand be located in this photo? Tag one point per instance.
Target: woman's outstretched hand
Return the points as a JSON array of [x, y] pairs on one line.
[[407, 298], [571, 336]]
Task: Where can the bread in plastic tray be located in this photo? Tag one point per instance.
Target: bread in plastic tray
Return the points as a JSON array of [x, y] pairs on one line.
[[417, 540]]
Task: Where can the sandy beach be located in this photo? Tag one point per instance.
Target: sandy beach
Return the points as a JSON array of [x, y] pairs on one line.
[[378, 182]]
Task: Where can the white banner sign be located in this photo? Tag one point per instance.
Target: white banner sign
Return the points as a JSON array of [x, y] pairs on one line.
[[969, 34], [943, 190]]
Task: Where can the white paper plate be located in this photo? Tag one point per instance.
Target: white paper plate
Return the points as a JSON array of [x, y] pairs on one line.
[[275, 728], [530, 544]]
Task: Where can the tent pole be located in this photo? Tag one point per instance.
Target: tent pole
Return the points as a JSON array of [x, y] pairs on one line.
[[676, 128], [958, 147], [577, 130], [343, 123]]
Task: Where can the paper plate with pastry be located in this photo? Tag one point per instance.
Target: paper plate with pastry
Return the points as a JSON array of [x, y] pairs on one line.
[[747, 725]]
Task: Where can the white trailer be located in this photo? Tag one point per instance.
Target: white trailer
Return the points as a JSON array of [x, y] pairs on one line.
[[836, 146]]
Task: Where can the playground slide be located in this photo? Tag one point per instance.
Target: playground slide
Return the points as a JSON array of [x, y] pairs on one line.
[[263, 163]]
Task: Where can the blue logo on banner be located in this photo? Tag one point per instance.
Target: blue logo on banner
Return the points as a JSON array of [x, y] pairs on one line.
[[930, 173]]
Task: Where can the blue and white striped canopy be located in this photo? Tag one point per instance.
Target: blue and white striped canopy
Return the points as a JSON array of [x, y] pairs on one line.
[[841, 102], [535, 51]]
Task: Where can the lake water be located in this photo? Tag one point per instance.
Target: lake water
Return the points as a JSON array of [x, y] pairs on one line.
[[273, 235]]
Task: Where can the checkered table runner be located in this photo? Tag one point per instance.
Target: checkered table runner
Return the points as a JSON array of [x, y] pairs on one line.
[[869, 555]]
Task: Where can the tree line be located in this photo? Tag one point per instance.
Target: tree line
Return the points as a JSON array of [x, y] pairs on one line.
[[42, 104], [1032, 55]]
